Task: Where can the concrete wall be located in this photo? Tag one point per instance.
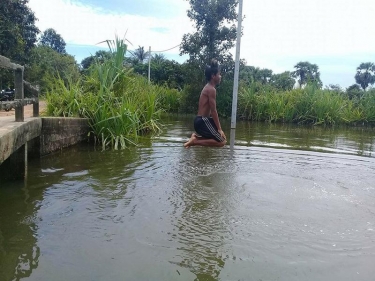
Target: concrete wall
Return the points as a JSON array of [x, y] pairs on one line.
[[35, 138], [58, 133]]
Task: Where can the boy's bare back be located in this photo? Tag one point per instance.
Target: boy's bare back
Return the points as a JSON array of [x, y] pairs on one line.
[[204, 107]]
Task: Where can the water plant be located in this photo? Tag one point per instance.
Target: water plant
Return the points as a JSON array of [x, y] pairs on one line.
[[119, 104]]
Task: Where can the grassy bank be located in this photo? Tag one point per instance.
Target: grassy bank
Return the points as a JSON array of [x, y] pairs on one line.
[[120, 105], [306, 106]]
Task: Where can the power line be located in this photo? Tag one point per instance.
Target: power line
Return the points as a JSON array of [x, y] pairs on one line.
[[149, 59], [139, 45], [166, 50]]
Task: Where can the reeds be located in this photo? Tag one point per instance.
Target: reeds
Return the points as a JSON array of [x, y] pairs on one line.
[[367, 105], [119, 104], [305, 106]]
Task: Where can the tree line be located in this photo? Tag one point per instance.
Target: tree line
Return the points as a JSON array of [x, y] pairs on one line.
[[42, 53]]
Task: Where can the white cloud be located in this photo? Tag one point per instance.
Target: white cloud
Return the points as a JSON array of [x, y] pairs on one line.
[[85, 25], [317, 27], [295, 28]]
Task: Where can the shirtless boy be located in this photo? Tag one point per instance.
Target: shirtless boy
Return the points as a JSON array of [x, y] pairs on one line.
[[206, 123]]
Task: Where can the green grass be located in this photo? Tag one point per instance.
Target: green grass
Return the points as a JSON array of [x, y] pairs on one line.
[[305, 106], [120, 105]]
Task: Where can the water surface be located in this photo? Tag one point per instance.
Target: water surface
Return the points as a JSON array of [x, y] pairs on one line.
[[288, 203]]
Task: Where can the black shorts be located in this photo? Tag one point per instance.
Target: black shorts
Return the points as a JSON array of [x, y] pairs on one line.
[[205, 127]]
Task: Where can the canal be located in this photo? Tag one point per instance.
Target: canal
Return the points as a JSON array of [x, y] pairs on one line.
[[287, 203]]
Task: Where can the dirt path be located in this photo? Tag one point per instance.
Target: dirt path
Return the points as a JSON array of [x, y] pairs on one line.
[[28, 110]]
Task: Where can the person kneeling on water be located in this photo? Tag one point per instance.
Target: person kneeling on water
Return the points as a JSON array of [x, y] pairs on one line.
[[206, 123]]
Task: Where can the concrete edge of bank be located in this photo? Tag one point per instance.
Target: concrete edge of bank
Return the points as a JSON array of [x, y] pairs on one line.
[[16, 134], [58, 133], [36, 138]]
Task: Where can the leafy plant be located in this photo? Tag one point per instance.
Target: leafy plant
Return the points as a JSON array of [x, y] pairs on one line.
[[119, 104]]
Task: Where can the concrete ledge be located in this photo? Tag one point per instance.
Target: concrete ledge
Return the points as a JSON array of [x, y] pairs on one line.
[[15, 134], [58, 133]]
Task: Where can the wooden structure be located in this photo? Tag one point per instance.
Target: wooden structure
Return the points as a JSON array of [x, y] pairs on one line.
[[19, 100], [14, 142]]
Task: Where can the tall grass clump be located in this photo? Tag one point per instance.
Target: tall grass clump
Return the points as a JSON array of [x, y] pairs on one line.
[[169, 99], [304, 106], [63, 99], [367, 105], [120, 105]]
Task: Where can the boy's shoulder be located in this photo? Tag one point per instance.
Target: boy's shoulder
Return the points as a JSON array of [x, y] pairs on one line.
[[209, 88]]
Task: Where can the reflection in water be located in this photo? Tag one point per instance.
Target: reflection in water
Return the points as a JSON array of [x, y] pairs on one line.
[[21, 203], [202, 226], [19, 253], [348, 140]]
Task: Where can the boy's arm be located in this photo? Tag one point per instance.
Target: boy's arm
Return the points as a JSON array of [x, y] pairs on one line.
[[212, 103]]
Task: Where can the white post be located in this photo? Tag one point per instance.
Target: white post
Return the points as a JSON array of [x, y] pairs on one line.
[[236, 74], [149, 64]]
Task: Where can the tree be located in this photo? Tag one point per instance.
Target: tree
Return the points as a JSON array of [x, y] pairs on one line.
[[163, 71], [168, 72], [307, 73], [265, 75], [46, 64], [216, 30], [99, 56], [354, 92], [140, 55], [158, 59], [365, 74], [53, 40], [334, 88], [283, 81], [249, 74], [18, 32]]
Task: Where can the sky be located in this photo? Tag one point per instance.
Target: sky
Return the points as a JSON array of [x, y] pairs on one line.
[[337, 35]]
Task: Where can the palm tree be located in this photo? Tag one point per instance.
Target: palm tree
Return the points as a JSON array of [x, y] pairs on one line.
[[158, 59], [306, 72], [140, 55], [365, 74]]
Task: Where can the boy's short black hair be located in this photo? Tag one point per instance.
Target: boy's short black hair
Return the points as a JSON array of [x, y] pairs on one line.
[[211, 69]]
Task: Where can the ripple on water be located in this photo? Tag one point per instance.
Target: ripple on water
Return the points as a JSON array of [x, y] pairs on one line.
[[280, 204], [215, 213]]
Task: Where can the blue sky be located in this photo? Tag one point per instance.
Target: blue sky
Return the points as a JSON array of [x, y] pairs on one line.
[[334, 34]]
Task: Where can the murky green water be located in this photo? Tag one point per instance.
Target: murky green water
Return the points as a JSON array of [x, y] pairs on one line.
[[287, 203]]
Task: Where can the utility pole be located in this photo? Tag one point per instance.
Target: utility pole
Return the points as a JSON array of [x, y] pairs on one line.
[[149, 64], [236, 75]]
